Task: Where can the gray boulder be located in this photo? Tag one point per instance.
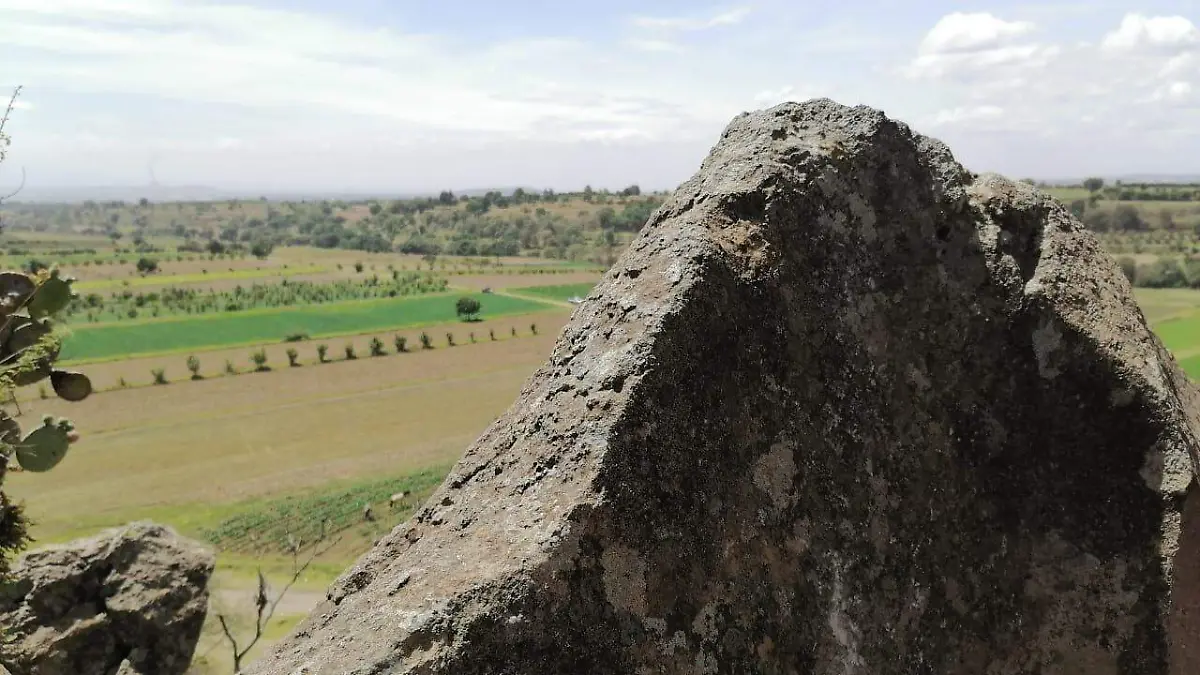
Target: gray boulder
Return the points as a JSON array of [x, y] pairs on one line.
[[129, 601], [842, 407]]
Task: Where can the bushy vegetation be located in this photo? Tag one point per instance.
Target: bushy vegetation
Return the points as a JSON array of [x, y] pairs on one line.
[[182, 301], [590, 225]]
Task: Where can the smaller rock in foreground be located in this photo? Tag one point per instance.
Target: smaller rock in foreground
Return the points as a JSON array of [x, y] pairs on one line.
[[130, 600]]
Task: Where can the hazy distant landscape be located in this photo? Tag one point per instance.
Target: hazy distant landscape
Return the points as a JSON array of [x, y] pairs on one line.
[[307, 358]]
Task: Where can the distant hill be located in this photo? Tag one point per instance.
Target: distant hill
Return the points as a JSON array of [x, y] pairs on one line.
[[204, 193]]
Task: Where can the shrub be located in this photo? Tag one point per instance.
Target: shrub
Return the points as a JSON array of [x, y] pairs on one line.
[[471, 335], [492, 334], [1128, 267], [121, 383], [259, 359], [295, 337], [376, 347], [350, 353], [467, 309], [533, 328], [401, 343], [322, 353], [292, 356], [1162, 273], [426, 342], [450, 339], [358, 267], [230, 369], [193, 364], [514, 331], [160, 375]]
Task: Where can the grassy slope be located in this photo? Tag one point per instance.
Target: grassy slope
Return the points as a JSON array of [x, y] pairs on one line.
[[559, 293], [95, 342]]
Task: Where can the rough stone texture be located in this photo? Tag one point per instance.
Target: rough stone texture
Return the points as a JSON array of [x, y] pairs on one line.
[[129, 601], [843, 407]]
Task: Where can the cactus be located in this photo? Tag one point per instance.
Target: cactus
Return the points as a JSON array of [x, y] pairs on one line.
[[43, 448], [52, 296], [70, 385]]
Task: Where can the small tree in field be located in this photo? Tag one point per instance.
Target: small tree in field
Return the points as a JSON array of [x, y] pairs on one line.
[[293, 357], [259, 359], [193, 364], [450, 339], [492, 334], [322, 353], [426, 341], [533, 328], [514, 331], [401, 344], [159, 375], [350, 353], [230, 369], [376, 347], [467, 309]]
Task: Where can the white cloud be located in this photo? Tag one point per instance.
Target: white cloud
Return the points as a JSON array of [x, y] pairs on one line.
[[959, 32], [1157, 32], [967, 43], [682, 23]]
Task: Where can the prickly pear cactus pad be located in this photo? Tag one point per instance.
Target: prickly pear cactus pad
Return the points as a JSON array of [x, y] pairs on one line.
[[43, 448], [70, 385], [52, 296]]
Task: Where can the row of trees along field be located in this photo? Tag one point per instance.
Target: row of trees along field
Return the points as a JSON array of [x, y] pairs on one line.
[[583, 226]]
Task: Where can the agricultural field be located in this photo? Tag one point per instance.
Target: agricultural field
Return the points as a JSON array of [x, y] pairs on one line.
[[243, 398]]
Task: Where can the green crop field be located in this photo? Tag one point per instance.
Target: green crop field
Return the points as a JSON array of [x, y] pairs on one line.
[[558, 293], [105, 341]]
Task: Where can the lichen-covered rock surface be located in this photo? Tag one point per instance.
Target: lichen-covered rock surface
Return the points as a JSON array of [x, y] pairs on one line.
[[842, 407], [129, 601]]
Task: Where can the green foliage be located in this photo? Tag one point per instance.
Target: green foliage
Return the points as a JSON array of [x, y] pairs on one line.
[[147, 265], [193, 364], [190, 301], [1128, 267], [350, 353], [230, 369], [450, 339], [467, 308], [159, 375], [322, 353], [376, 347], [293, 357], [492, 334], [426, 341], [533, 328], [358, 267], [259, 358], [296, 337], [401, 343], [1093, 184], [1162, 273]]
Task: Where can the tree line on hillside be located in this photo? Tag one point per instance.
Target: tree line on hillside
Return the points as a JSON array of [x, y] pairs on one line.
[[584, 226]]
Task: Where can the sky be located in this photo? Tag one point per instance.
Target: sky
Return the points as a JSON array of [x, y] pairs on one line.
[[417, 95]]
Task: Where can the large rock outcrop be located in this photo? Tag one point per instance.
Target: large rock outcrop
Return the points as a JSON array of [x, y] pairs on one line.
[[842, 407], [129, 601]]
